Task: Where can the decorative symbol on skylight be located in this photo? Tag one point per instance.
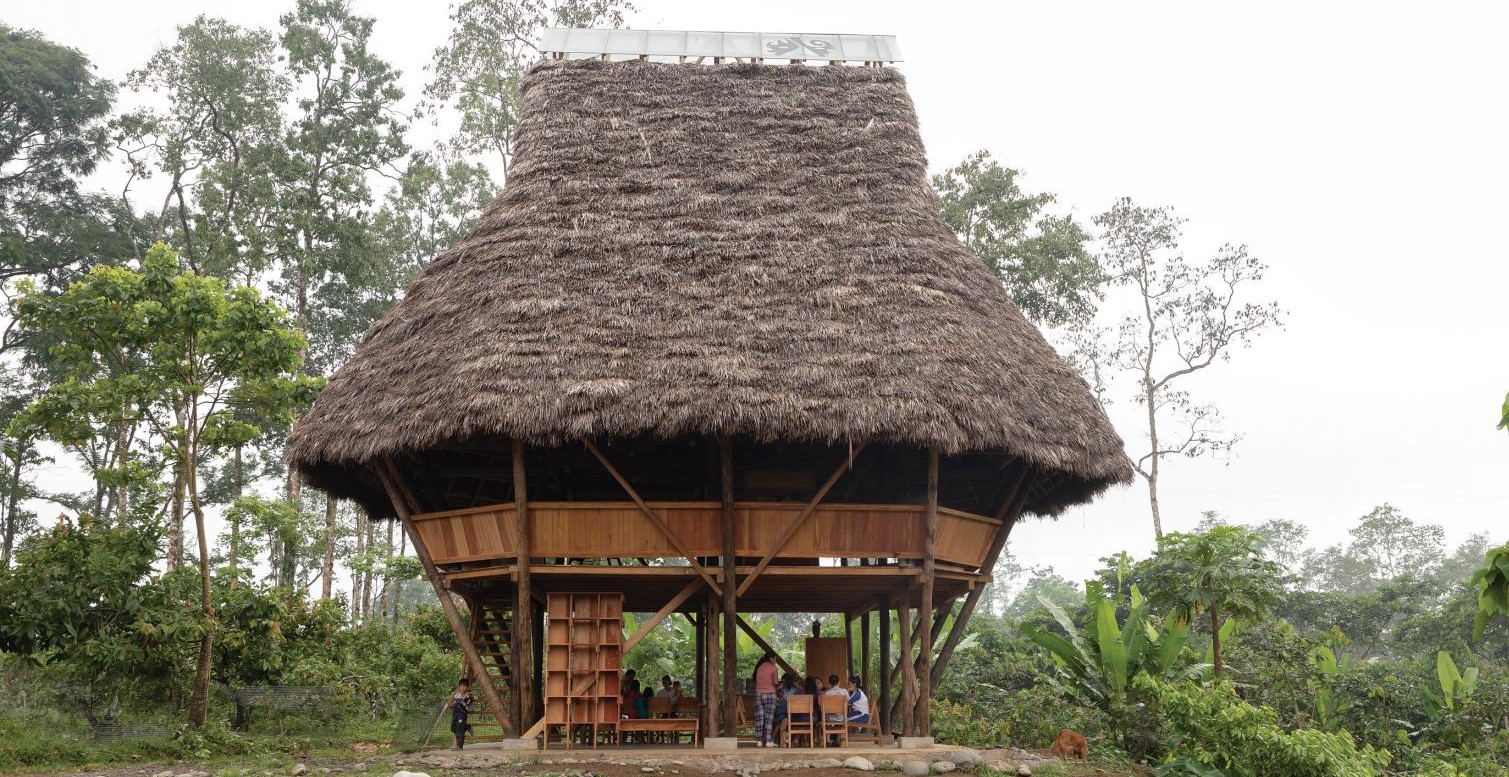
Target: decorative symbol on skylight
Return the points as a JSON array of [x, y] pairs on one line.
[[783, 47]]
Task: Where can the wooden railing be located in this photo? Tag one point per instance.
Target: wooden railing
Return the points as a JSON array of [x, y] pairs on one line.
[[621, 530]]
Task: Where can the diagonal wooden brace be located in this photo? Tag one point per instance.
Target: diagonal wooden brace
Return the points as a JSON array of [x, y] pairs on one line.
[[796, 523], [655, 519]]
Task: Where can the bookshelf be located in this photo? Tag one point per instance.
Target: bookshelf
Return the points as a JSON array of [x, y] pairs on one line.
[[584, 640]]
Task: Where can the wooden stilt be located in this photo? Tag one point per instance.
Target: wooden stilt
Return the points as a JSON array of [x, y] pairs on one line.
[[399, 494], [730, 592], [908, 671], [929, 569], [883, 708], [713, 707], [523, 611], [699, 651], [864, 656], [537, 709], [848, 645]]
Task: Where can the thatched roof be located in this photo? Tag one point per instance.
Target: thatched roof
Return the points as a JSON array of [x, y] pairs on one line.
[[687, 249]]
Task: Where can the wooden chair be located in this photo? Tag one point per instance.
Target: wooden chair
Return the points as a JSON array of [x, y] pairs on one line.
[[746, 714], [800, 704], [867, 729], [835, 715]]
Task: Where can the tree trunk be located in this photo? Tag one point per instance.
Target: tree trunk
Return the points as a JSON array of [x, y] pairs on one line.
[[1152, 471], [369, 542], [327, 569], [12, 504], [199, 700], [387, 579], [123, 461], [356, 575], [1215, 640]]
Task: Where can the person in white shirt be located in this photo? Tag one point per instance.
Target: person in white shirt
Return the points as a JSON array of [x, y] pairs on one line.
[[859, 703]]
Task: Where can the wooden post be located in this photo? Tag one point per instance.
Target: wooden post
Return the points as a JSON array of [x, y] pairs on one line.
[[699, 654], [714, 709], [730, 592], [537, 711], [398, 494], [908, 672], [884, 707], [848, 645], [929, 568], [523, 612]]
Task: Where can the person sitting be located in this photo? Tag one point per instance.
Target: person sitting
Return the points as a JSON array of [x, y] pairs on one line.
[[859, 703], [630, 689], [667, 690], [789, 687], [642, 704], [834, 689], [676, 692]]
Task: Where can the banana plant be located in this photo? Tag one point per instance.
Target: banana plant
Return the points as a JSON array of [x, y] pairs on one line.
[[1096, 664], [1328, 705], [1456, 686]]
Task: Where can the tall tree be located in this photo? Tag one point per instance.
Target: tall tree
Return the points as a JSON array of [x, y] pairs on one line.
[[53, 111], [201, 348], [492, 44], [346, 127], [1220, 573], [211, 141], [1043, 259], [1188, 317], [1385, 545]]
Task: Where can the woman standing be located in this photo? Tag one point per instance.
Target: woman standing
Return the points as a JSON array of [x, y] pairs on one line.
[[765, 701]]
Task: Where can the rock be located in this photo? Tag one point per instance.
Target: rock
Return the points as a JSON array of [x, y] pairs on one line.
[[324, 770], [647, 769], [1023, 770], [916, 769], [862, 764], [827, 763], [168, 773], [944, 767], [965, 758], [410, 774], [299, 770]]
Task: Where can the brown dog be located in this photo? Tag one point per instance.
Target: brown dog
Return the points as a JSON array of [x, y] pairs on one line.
[[1070, 744]]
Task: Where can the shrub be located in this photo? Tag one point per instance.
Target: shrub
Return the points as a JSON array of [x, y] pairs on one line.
[[1215, 729]]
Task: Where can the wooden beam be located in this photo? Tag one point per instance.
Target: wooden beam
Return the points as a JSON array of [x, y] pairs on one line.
[[523, 631], [402, 499], [660, 615], [730, 595], [653, 516], [796, 523], [929, 569], [763, 645]]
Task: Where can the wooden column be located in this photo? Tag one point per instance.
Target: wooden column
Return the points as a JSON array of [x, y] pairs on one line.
[[730, 592], [699, 659], [399, 494], [538, 710], [929, 568], [908, 671], [884, 705], [864, 658], [714, 710], [523, 611], [848, 645]]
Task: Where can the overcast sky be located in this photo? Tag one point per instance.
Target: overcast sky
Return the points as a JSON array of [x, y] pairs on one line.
[[1361, 149]]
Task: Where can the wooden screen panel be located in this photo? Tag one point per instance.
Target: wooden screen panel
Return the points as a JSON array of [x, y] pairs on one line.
[[832, 530], [621, 529], [467, 535], [827, 656], [964, 538]]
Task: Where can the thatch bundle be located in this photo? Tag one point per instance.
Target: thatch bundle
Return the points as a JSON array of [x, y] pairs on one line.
[[682, 250]]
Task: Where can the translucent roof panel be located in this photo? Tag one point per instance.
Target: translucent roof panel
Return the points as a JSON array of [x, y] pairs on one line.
[[618, 43]]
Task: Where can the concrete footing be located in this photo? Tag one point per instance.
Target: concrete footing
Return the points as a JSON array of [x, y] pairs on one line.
[[520, 744], [720, 743], [912, 743]]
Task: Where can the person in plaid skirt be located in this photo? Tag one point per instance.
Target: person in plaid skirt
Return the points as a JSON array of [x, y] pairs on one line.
[[765, 699]]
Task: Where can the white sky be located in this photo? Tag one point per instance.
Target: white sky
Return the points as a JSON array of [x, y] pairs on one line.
[[1361, 149]]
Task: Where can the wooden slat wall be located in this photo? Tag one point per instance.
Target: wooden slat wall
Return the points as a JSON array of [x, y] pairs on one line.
[[619, 529]]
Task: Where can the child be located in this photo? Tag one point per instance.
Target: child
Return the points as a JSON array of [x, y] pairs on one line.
[[460, 704], [859, 703]]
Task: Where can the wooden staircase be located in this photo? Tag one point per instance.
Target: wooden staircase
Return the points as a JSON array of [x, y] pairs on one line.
[[492, 632]]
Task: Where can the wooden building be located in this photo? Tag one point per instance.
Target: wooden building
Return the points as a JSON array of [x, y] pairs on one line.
[[712, 348]]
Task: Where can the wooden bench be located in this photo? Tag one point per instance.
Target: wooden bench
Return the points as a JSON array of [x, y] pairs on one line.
[[868, 729], [674, 726]]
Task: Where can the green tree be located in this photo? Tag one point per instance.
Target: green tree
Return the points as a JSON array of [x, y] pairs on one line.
[[1491, 583], [53, 132], [1220, 573], [492, 44], [1385, 545], [1043, 260], [1187, 318], [200, 347]]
